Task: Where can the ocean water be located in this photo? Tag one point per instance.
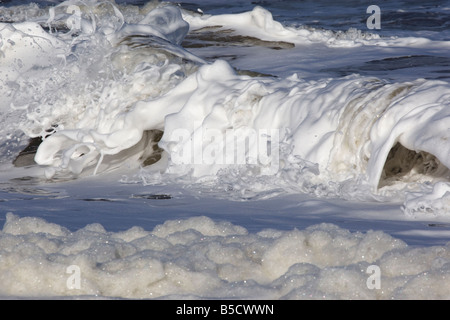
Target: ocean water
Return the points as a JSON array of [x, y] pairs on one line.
[[206, 150]]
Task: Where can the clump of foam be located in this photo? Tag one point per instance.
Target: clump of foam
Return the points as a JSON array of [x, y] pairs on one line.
[[258, 23], [432, 200], [202, 258]]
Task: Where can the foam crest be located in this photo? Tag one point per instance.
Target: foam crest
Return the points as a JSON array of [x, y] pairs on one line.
[[113, 84], [258, 22], [347, 127]]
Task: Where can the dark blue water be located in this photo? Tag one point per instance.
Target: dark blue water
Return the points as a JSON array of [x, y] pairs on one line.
[[396, 16]]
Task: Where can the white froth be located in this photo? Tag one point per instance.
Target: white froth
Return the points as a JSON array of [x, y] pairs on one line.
[[258, 23], [333, 123], [199, 257], [24, 49], [125, 77], [430, 200], [112, 74]]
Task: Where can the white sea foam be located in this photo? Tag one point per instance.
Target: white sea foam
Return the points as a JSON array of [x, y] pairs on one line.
[[430, 200], [99, 82], [113, 80], [202, 258], [346, 126]]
